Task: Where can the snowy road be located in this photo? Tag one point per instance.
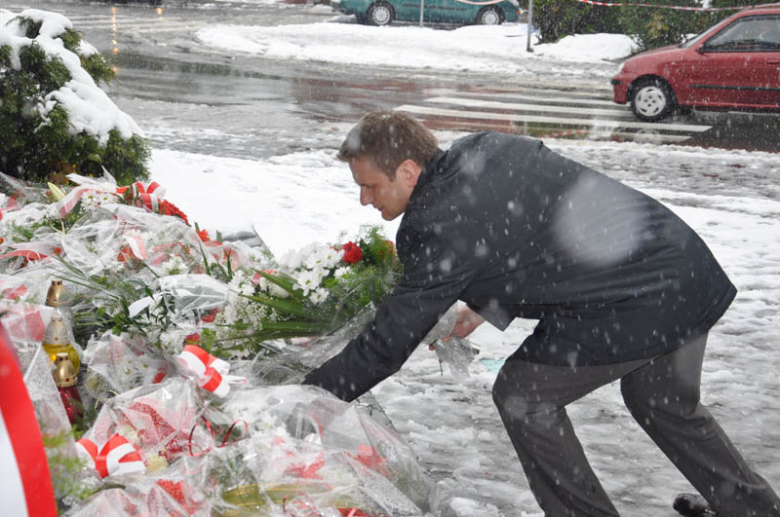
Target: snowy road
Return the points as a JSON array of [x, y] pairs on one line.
[[261, 78]]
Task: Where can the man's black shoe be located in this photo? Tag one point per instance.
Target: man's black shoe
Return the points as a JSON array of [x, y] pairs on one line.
[[693, 505]]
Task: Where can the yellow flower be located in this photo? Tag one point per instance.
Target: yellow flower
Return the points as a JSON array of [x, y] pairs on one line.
[[57, 192]]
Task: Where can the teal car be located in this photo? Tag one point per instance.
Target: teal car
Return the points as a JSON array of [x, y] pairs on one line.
[[383, 12]]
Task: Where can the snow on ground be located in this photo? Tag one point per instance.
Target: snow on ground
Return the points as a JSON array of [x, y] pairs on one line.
[[473, 48], [731, 198]]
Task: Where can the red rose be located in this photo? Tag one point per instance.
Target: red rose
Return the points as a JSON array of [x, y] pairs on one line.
[[210, 316], [352, 253]]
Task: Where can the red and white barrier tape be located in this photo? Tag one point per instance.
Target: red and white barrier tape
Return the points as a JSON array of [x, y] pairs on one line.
[[488, 2], [673, 7]]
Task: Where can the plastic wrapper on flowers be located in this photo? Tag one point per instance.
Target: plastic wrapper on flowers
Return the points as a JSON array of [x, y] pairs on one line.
[[303, 356], [120, 363], [304, 443], [457, 353], [169, 492], [144, 286], [138, 499], [158, 420], [53, 422], [25, 321]]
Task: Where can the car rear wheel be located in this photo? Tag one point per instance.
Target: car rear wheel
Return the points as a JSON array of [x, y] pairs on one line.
[[380, 13], [652, 99], [489, 15]]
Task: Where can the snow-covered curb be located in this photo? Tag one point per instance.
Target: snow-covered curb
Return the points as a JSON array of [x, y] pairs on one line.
[[485, 49]]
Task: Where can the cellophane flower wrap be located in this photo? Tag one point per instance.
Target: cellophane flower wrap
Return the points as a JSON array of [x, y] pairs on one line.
[[190, 350]]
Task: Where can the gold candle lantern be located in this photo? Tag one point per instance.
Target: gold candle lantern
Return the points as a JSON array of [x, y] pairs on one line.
[[57, 295], [65, 377], [56, 340], [65, 374]]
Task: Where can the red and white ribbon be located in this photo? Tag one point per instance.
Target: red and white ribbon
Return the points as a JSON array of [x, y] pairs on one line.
[[137, 246], [139, 188], [7, 204], [149, 202], [25, 321], [68, 203], [146, 196], [27, 487], [211, 372], [32, 251], [673, 7], [118, 456]]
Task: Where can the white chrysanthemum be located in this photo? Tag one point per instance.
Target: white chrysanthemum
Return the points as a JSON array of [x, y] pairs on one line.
[[333, 257], [340, 272], [308, 280], [319, 295], [174, 266], [322, 256], [94, 198]]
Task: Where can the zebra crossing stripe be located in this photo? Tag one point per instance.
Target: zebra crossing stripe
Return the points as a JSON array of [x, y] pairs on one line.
[[484, 115], [545, 108], [562, 99]]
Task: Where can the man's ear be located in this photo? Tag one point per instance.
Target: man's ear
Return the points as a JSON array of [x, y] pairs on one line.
[[409, 172]]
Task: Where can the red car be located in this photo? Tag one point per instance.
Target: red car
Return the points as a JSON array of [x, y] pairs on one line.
[[734, 65]]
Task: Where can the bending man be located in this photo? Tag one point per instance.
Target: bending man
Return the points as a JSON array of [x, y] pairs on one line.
[[622, 288]]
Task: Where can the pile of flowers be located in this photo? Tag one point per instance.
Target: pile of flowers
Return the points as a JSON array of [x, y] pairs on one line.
[[191, 351], [308, 292]]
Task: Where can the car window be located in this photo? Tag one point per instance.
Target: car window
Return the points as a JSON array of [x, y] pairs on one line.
[[748, 34], [690, 42]]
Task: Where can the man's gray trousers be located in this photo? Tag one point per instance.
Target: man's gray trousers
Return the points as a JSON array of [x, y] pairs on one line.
[[662, 395]]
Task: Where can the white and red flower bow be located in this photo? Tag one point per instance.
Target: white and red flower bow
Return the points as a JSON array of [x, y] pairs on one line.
[[118, 456], [146, 196], [210, 372]]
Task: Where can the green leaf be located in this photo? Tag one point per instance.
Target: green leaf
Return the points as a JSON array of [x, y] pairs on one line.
[[284, 281], [290, 307]]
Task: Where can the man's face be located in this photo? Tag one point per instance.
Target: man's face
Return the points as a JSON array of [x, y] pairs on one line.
[[388, 196]]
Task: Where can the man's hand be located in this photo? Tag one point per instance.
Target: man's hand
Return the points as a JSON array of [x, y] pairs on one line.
[[468, 320]]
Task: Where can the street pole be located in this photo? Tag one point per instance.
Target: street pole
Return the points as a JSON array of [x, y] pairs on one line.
[[422, 4], [530, 27]]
